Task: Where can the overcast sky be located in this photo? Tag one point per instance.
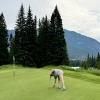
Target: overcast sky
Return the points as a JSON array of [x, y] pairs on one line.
[[78, 15]]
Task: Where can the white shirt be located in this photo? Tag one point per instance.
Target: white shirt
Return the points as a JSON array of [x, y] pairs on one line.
[[57, 72]]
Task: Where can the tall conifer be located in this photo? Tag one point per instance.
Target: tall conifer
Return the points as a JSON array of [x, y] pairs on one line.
[[57, 50], [42, 41], [30, 39], [98, 61], [4, 55], [19, 42]]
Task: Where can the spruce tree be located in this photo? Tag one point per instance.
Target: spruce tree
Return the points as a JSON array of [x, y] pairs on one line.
[[93, 61], [42, 41], [19, 43], [30, 40], [84, 64], [98, 61], [4, 55], [11, 39], [57, 50], [88, 62]]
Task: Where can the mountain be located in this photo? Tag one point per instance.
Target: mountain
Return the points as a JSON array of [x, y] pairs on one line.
[[79, 46], [11, 32]]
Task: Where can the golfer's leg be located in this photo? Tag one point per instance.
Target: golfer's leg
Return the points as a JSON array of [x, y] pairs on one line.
[[59, 83], [62, 82], [54, 83], [63, 85]]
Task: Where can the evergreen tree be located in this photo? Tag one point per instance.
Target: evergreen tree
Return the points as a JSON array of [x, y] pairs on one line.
[[93, 61], [19, 43], [11, 39], [56, 45], [4, 55], [84, 64], [42, 41], [88, 62], [98, 61], [30, 40]]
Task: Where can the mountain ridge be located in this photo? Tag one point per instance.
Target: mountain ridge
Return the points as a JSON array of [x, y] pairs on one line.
[[79, 46]]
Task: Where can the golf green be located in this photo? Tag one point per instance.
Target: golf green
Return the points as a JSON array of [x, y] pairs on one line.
[[34, 84]]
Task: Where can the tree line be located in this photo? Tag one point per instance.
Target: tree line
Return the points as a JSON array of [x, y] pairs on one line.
[[91, 62], [36, 43]]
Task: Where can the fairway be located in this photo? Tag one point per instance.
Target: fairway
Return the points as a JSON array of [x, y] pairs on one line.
[[34, 84]]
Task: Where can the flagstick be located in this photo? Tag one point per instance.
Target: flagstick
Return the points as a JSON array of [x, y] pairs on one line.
[[13, 67]]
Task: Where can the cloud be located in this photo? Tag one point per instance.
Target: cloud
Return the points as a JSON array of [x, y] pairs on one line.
[[81, 16], [78, 15]]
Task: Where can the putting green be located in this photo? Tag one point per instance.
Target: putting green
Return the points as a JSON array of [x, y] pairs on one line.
[[34, 84]]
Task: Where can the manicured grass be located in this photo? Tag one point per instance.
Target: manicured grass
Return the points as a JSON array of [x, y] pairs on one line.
[[34, 84]]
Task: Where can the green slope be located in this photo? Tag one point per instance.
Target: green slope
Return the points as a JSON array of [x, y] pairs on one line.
[[34, 84]]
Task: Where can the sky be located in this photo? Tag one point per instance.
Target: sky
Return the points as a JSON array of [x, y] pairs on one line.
[[82, 16]]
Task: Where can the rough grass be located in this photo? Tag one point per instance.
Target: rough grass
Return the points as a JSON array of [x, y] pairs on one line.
[[34, 84], [94, 71]]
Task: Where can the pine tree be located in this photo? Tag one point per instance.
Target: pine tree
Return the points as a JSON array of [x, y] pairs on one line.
[[4, 55], [88, 62], [84, 64], [57, 51], [19, 43], [11, 39], [98, 61], [30, 40], [93, 61], [42, 41]]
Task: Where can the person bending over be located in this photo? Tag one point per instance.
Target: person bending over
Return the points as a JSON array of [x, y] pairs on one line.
[[58, 75]]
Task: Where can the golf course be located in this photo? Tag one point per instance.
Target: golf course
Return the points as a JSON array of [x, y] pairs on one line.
[[34, 84]]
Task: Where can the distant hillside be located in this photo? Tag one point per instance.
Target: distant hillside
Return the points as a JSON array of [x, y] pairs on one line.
[[78, 45], [11, 32]]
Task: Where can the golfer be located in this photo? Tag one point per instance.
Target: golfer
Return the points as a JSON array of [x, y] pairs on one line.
[[58, 74]]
